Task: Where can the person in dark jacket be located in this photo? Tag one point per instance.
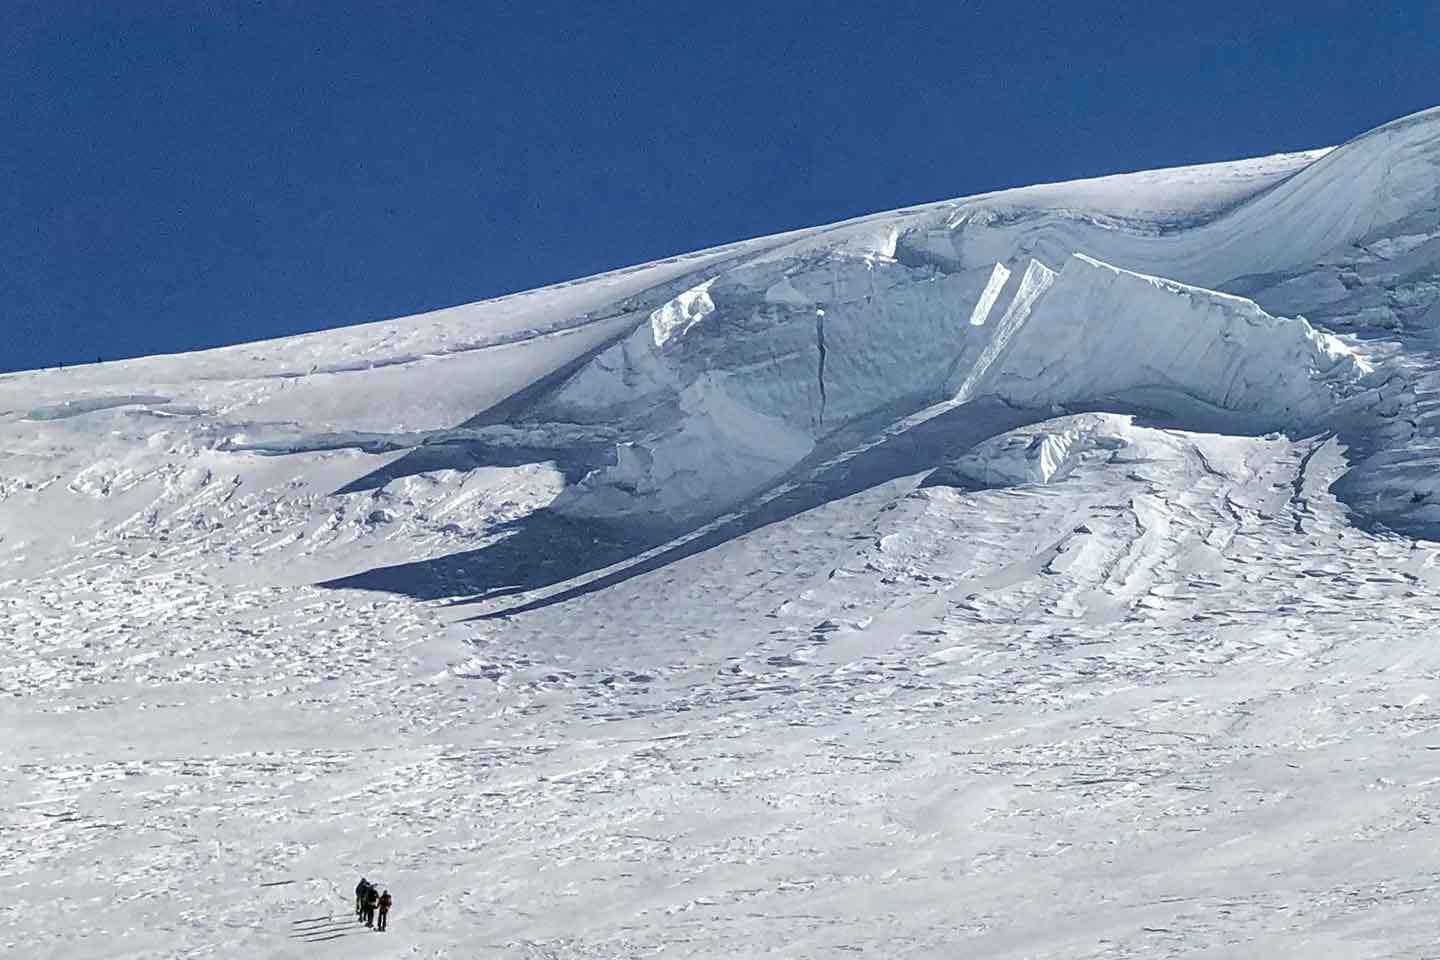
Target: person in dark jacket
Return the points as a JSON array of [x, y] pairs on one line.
[[360, 889], [372, 900], [384, 903]]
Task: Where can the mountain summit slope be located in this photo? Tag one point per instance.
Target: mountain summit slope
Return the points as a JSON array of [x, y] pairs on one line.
[[868, 587]]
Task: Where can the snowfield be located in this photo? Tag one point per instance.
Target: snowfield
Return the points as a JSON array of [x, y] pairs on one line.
[[1048, 573]]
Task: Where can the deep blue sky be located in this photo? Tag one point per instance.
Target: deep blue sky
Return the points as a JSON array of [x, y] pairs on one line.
[[205, 173]]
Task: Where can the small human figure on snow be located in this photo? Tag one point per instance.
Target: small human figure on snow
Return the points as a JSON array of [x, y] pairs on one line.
[[360, 889], [384, 904], [372, 900]]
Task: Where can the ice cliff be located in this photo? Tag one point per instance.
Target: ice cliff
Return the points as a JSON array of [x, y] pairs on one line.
[[1298, 293], [1141, 293], [738, 381]]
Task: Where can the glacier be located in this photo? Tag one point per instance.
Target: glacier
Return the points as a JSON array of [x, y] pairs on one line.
[[870, 587]]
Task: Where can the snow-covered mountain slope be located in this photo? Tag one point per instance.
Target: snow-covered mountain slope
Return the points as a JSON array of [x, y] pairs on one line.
[[879, 587]]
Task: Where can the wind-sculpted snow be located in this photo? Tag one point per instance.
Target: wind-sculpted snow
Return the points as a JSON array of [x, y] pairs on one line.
[[1370, 188], [1067, 549]]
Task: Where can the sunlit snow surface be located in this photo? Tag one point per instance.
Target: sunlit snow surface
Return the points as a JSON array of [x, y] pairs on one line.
[[1042, 574]]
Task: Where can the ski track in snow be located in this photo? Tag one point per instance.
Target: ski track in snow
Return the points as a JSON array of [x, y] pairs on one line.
[[1166, 689]]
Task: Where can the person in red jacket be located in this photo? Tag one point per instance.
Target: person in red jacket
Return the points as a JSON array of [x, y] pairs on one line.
[[384, 905]]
